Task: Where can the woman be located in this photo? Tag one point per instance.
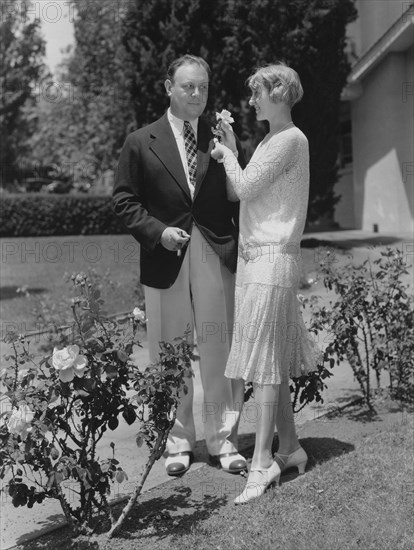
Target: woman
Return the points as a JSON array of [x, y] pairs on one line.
[[270, 341]]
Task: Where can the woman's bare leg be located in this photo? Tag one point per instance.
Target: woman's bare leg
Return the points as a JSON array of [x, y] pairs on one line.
[[285, 422], [266, 398]]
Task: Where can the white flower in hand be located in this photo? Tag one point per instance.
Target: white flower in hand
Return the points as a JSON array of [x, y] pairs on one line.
[[224, 132], [224, 115], [68, 362]]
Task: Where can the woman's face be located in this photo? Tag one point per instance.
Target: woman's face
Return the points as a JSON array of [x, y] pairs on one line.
[[260, 100]]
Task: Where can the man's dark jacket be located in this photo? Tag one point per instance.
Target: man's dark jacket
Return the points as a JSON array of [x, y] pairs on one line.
[[151, 193]]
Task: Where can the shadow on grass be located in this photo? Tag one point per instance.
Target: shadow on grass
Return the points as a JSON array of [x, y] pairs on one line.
[[347, 244], [347, 398], [201, 493], [171, 508], [49, 524], [10, 292], [155, 518], [354, 408], [358, 411], [178, 506], [323, 449], [319, 450]]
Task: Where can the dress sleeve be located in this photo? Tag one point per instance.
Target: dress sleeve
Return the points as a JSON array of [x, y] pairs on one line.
[[266, 165]]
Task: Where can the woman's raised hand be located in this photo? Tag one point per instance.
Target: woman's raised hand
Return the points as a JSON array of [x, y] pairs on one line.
[[225, 131]]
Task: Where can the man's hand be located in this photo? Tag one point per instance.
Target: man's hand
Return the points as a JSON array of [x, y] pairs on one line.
[[174, 238]]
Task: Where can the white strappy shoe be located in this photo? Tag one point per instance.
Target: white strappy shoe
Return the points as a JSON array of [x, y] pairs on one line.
[[258, 482], [298, 459]]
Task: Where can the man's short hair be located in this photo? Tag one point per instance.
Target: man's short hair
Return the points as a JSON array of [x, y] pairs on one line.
[[187, 59], [282, 83]]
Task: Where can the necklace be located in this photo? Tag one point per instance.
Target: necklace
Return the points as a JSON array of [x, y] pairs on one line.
[[268, 136], [285, 126]]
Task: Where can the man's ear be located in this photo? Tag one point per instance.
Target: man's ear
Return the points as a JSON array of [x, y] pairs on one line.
[[168, 85]]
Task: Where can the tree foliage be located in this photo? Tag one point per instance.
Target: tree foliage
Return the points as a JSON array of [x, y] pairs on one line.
[[83, 120], [113, 81], [235, 37], [22, 49]]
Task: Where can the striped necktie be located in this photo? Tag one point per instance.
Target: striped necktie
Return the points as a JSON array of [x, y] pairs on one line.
[[191, 151]]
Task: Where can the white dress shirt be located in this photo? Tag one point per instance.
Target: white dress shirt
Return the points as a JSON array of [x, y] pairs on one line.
[[177, 126]]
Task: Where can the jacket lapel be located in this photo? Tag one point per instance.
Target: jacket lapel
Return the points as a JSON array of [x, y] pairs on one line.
[[165, 148]]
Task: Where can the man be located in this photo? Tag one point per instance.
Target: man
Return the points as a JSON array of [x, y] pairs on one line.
[[171, 196]]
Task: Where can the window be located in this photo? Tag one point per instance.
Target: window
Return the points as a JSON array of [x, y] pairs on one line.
[[345, 135]]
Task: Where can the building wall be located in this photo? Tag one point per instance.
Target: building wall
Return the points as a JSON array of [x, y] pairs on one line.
[[382, 133], [375, 17]]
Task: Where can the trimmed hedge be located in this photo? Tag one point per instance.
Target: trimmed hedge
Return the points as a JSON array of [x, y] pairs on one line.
[[41, 215]]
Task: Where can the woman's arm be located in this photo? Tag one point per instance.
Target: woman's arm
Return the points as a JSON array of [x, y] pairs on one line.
[[262, 171]]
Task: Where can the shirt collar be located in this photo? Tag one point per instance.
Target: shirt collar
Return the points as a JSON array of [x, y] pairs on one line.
[[178, 123]]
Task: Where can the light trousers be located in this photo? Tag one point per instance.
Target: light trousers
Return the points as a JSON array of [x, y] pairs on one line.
[[202, 298]]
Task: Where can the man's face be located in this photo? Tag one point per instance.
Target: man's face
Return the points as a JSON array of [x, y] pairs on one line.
[[188, 92]]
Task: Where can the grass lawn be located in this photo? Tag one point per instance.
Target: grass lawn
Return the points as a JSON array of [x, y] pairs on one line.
[[358, 492], [42, 264]]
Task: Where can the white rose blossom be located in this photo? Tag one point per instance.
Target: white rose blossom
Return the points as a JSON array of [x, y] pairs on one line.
[[20, 421], [225, 115], [69, 363]]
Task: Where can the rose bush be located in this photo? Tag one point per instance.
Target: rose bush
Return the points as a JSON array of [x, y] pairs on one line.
[[56, 410], [370, 322]]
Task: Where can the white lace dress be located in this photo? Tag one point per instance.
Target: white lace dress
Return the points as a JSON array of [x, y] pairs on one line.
[[270, 342]]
